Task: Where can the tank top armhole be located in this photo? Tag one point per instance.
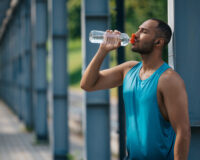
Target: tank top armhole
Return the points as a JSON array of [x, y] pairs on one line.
[[131, 70], [159, 112]]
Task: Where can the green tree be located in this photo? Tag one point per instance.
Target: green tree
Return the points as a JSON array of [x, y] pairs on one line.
[[138, 11], [74, 18]]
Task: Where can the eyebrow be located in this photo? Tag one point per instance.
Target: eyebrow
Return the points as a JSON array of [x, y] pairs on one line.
[[143, 28]]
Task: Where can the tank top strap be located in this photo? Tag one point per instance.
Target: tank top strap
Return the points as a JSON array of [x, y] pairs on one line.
[[163, 68], [139, 66]]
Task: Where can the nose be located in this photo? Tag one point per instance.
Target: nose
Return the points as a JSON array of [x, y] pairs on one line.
[[137, 34]]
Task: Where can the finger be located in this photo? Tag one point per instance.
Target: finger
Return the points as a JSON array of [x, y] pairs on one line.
[[106, 35], [115, 41], [116, 31], [109, 37], [118, 40], [119, 43]]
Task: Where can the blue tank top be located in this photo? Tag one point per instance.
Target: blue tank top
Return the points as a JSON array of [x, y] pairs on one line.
[[149, 136]]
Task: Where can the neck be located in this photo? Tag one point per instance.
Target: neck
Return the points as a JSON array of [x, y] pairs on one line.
[[151, 61]]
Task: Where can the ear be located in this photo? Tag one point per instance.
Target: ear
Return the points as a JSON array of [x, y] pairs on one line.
[[159, 42], [156, 42]]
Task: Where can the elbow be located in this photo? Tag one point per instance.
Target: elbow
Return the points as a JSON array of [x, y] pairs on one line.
[[88, 86], [85, 87], [188, 132], [185, 133]]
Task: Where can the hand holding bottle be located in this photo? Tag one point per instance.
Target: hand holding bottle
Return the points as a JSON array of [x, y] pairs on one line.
[[98, 37], [111, 40]]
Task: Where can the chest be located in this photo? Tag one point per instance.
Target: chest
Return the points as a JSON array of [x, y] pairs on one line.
[[144, 93], [140, 91], [145, 75]]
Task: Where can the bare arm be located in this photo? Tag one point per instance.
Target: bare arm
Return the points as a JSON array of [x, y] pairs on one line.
[[94, 79], [175, 99]]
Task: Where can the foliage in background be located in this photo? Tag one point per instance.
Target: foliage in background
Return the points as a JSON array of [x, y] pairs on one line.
[[74, 18], [74, 62]]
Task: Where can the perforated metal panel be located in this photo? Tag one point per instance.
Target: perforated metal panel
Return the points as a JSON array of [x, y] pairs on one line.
[[184, 55]]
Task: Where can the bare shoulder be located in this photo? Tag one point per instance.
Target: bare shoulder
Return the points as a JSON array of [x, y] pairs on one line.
[[128, 65], [170, 79]]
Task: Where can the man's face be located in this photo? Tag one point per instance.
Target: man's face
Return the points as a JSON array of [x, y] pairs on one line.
[[145, 37]]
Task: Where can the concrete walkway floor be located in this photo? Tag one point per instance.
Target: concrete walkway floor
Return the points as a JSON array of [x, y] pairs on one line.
[[18, 144], [15, 142]]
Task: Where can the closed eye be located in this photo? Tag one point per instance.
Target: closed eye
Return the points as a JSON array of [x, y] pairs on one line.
[[143, 30]]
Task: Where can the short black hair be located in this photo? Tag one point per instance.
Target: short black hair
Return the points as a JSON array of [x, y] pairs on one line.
[[165, 29]]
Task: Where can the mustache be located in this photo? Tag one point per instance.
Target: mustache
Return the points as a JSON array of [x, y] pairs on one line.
[[136, 39]]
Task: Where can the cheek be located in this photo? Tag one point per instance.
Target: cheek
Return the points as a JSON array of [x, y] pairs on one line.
[[147, 40], [147, 44], [146, 37]]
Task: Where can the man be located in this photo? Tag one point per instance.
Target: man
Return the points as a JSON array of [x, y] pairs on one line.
[[155, 98]]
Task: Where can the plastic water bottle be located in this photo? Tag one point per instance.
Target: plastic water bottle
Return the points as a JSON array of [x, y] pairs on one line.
[[98, 37]]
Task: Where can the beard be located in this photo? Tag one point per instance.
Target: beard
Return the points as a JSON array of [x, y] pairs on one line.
[[144, 49]]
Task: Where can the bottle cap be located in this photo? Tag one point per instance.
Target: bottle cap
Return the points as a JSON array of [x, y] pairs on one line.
[[132, 40]]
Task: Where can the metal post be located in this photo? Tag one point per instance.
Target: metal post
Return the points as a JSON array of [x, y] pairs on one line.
[[10, 66], [120, 59], [27, 67], [14, 59], [6, 69], [18, 63], [22, 61], [60, 84], [39, 15], [13, 32], [1, 83], [184, 57], [95, 15]]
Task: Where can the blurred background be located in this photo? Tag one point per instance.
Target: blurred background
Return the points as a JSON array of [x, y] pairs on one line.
[[44, 49]]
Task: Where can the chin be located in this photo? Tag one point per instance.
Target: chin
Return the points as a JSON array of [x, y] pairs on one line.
[[134, 49]]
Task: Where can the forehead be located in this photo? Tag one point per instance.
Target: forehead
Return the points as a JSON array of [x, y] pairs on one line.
[[149, 24]]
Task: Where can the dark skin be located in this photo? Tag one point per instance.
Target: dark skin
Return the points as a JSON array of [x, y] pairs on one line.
[[171, 93]]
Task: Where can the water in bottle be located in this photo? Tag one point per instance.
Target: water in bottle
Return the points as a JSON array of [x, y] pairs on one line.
[[98, 37]]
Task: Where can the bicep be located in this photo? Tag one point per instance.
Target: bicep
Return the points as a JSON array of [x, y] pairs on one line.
[[112, 77], [176, 102], [109, 78]]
